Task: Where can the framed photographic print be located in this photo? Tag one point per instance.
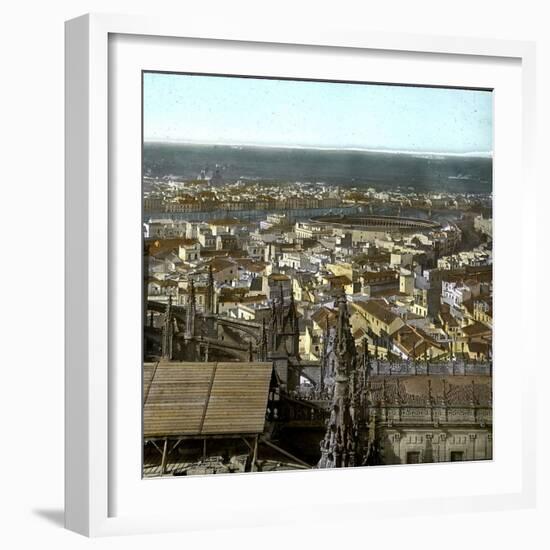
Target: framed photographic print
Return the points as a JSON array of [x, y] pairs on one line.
[[287, 269]]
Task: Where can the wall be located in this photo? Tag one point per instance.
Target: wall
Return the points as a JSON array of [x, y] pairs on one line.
[[31, 111], [435, 445]]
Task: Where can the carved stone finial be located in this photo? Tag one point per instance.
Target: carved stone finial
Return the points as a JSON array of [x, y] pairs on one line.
[[340, 446]]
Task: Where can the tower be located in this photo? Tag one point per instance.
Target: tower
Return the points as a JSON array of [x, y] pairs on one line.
[[291, 329], [281, 310], [191, 312], [167, 332], [263, 344], [324, 359], [209, 305], [340, 446], [274, 326], [284, 329]]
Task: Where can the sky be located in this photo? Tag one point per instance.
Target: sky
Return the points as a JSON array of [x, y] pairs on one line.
[[288, 113]]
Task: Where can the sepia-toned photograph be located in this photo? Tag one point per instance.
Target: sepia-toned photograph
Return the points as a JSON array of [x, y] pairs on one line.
[[317, 274]]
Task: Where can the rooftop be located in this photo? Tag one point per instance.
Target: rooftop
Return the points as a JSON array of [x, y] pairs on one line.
[[377, 310], [200, 399], [414, 390]]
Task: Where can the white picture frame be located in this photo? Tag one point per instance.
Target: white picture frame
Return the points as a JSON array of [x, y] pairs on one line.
[[95, 426]]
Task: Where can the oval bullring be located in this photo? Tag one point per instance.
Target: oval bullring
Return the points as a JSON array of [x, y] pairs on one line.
[[377, 223]]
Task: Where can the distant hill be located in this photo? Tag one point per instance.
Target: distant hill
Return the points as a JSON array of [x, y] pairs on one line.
[[424, 172]]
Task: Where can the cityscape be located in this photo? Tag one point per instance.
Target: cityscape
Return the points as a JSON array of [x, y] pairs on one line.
[[314, 305]]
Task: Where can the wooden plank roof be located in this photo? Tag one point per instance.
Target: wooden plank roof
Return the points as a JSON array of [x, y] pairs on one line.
[[204, 399]]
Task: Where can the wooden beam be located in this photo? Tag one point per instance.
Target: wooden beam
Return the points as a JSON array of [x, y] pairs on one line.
[[150, 383], [164, 457], [156, 446], [208, 395], [176, 445], [254, 455], [285, 453], [200, 437], [292, 465]]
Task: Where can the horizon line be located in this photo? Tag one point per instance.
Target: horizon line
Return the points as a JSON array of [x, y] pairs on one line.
[[482, 154]]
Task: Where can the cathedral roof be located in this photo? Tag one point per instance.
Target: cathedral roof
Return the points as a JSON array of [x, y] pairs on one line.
[[415, 390]]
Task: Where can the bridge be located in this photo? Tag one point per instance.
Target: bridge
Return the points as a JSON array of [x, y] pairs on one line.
[[249, 327], [159, 307], [298, 413], [236, 347], [238, 352], [214, 343]]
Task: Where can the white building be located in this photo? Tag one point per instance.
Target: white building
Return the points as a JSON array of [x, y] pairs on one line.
[[167, 228], [455, 294]]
